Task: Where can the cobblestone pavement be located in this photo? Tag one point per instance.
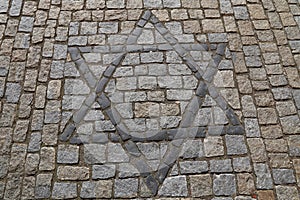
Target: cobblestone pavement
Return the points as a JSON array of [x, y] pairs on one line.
[[150, 99]]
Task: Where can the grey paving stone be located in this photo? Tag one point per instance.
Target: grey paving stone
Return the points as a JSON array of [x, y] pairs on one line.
[[68, 154], [170, 82], [77, 40], [242, 164], [192, 149], [127, 170], [152, 57], [13, 186], [94, 153], [103, 171], [2, 85], [193, 167], [236, 145], [290, 124], [26, 24], [13, 92], [43, 186], [52, 114], [149, 150], [294, 145], [75, 87], [174, 186], [2, 189], [88, 190], [104, 125], [57, 69], [47, 161], [31, 165], [153, 4], [88, 28], [4, 164], [146, 37], [224, 184], [243, 198], [115, 4], [287, 192], [20, 130], [126, 188], [37, 120], [217, 37], [283, 176], [221, 166], [263, 176], [108, 27], [252, 50], [64, 190], [253, 61], [116, 153], [4, 6], [281, 93], [225, 7], [15, 8], [252, 127], [60, 51]]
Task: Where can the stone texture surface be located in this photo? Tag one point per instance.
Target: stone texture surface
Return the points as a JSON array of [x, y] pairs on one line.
[[115, 99]]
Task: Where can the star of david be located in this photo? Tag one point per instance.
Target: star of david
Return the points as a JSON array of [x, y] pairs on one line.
[[174, 135]]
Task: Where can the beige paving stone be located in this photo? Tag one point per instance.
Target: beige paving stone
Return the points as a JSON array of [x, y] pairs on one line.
[[72, 173], [280, 160], [276, 145], [267, 116], [179, 14], [266, 195], [245, 183], [212, 25], [257, 149], [256, 11], [245, 27], [191, 26]]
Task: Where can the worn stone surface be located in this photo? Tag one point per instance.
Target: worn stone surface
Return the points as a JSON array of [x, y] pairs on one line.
[[174, 186], [201, 185], [111, 99], [224, 184]]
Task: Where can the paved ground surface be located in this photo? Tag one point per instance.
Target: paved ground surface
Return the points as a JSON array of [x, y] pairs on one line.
[[169, 99]]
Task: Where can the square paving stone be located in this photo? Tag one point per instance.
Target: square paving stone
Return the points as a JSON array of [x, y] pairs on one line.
[[213, 146], [67, 154], [294, 145], [224, 184], [287, 192], [201, 185], [236, 145], [283, 176], [94, 153], [126, 188], [64, 190], [242, 164]]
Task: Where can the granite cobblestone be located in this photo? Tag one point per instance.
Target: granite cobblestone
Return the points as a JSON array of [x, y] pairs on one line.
[[114, 99]]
